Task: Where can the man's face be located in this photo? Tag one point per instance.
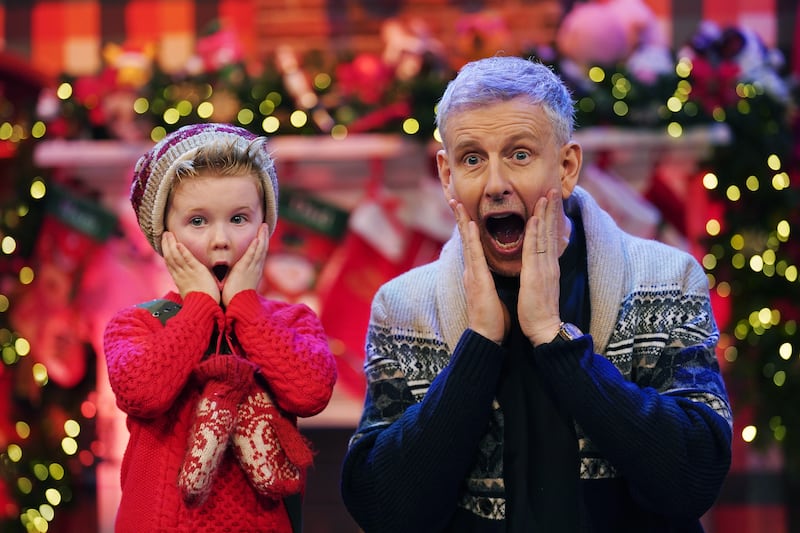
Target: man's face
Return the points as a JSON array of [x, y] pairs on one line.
[[216, 218], [500, 159]]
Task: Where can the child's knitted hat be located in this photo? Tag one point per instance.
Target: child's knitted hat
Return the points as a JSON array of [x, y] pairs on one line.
[[154, 174]]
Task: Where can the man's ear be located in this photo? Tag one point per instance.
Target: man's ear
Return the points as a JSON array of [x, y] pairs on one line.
[[571, 161], [445, 176]]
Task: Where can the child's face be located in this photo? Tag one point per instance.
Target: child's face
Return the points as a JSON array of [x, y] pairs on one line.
[[216, 218]]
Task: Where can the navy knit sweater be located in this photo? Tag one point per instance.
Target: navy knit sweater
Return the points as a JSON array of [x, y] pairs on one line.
[[652, 418]]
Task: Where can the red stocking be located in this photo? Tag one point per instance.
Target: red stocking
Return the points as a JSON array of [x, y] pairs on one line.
[[377, 247]]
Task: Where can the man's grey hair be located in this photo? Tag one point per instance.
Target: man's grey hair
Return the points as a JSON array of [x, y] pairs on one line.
[[502, 78]]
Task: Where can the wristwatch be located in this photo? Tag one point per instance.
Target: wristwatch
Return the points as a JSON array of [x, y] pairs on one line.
[[568, 332]]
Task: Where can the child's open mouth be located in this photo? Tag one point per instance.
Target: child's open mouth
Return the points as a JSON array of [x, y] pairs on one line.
[[220, 271]]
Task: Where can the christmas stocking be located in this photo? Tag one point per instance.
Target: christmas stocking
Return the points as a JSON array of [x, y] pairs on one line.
[[72, 231], [307, 235], [270, 449], [226, 380], [379, 245]]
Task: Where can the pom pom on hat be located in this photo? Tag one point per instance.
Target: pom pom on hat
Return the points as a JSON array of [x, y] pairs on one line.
[[154, 173]]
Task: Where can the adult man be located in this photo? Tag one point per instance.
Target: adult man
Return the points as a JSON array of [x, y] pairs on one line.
[[487, 408]]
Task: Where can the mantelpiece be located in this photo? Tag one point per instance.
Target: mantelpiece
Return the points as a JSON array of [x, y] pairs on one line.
[[323, 163]]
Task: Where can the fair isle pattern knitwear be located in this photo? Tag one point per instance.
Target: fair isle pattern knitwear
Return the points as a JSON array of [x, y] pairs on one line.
[[651, 325], [270, 449], [154, 173]]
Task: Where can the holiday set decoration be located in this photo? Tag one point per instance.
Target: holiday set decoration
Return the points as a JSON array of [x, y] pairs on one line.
[[61, 249]]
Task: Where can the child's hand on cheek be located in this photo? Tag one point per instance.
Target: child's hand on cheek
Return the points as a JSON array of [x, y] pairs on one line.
[[187, 272], [247, 272]]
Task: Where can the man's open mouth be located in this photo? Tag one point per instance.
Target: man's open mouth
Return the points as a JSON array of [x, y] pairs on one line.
[[507, 230], [220, 271]]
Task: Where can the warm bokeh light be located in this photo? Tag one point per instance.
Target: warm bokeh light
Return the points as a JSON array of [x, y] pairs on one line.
[[710, 181], [270, 124], [8, 245], [14, 453], [322, 81], [205, 110], [245, 116], [23, 429], [38, 189], [298, 118], [72, 428], [410, 126], [674, 130], [69, 445], [26, 275], [171, 116], [597, 74], [22, 346], [40, 376], [64, 91]]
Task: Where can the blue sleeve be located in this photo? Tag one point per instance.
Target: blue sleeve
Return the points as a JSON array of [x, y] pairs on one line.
[[671, 443], [407, 460]]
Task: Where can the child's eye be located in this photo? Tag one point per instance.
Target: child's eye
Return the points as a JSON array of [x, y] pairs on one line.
[[238, 219], [196, 221]]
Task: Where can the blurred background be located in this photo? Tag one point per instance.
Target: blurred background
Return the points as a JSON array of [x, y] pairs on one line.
[[687, 112]]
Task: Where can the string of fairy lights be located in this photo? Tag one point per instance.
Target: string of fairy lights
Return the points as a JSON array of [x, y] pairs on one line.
[[44, 483], [38, 486]]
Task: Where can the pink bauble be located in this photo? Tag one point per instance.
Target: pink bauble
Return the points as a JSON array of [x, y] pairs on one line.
[[593, 34]]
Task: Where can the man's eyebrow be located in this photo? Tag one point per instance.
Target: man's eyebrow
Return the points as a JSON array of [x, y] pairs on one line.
[[465, 144]]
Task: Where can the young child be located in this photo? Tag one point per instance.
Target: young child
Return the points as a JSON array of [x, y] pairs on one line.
[[213, 376]]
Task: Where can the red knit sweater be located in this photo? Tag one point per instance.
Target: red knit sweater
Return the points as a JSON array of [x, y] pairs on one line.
[[150, 366]]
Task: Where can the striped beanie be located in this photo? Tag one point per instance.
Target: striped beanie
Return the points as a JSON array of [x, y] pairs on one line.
[[154, 173]]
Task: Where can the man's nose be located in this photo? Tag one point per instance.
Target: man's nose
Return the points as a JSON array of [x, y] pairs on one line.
[[497, 184]]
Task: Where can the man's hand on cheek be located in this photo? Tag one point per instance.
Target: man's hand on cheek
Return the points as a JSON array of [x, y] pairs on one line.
[[487, 314], [538, 308]]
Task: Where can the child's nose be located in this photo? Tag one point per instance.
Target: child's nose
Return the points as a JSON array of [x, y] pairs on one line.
[[220, 237]]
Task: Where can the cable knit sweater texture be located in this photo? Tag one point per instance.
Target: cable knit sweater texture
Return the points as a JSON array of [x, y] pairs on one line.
[[644, 388], [150, 367]]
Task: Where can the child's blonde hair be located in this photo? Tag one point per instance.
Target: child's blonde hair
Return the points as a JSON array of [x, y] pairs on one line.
[[196, 149]]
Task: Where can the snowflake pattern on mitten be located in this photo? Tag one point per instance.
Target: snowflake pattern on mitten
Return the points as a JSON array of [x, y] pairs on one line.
[[270, 449], [211, 434], [226, 380]]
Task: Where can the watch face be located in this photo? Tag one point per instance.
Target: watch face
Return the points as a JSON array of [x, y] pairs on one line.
[[570, 331]]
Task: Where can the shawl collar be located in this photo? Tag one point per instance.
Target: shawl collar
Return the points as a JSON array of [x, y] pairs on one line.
[[607, 266]]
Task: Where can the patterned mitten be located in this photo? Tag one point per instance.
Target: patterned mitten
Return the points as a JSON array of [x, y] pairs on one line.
[[270, 449], [227, 378]]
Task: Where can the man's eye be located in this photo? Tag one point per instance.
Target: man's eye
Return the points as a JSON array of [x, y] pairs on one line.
[[471, 160], [521, 156]]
